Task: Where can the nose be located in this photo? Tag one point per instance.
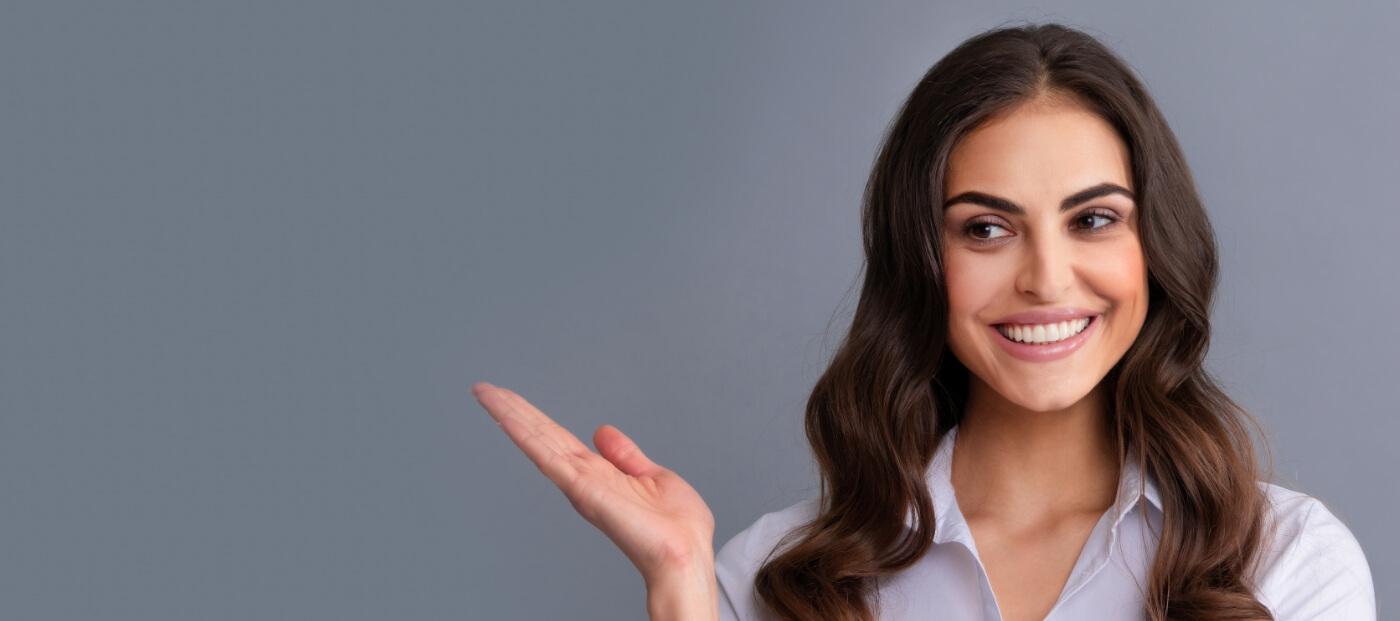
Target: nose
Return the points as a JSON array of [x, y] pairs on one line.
[[1047, 272]]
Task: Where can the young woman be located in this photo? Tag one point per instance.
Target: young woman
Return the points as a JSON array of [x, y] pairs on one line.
[[1018, 424]]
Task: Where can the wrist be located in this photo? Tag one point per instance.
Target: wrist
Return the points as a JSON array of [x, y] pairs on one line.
[[685, 589]]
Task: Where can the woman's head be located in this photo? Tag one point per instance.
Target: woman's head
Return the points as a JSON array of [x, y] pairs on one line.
[[974, 143], [1021, 76], [1042, 261]]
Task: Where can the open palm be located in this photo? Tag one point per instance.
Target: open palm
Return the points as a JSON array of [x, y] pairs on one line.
[[657, 519]]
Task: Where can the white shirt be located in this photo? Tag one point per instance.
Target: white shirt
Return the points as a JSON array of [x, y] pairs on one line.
[[1313, 568]]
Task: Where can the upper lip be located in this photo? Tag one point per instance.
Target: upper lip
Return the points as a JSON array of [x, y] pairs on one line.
[[1049, 315]]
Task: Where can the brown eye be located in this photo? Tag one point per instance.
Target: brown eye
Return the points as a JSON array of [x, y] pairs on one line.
[[986, 230], [1093, 221]]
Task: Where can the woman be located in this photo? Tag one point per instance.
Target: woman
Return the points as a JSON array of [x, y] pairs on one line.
[[1018, 425]]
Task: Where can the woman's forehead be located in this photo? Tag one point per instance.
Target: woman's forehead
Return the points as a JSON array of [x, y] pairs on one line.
[[1039, 151]]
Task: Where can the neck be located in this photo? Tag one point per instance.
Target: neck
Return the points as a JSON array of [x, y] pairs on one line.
[[1012, 461]]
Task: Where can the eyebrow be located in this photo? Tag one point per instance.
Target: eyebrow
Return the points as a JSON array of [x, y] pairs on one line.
[[1074, 200]]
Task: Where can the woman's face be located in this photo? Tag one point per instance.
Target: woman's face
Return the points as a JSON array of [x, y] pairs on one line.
[[1047, 287]]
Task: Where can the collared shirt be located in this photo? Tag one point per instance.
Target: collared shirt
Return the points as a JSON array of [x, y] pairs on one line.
[[1312, 568]]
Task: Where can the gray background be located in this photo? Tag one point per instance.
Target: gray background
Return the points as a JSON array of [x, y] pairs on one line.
[[252, 255]]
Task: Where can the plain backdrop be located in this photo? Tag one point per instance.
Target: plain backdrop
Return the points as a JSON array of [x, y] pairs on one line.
[[252, 256]]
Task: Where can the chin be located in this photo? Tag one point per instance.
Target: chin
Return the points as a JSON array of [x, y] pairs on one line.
[[1059, 401]]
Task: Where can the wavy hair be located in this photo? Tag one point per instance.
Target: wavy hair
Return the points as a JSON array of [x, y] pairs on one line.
[[893, 388]]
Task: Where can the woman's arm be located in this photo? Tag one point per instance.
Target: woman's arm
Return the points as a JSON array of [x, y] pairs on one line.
[[657, 519]]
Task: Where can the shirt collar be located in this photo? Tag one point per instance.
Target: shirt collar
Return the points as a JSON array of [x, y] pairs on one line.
[[948, 522], [1133, 485]]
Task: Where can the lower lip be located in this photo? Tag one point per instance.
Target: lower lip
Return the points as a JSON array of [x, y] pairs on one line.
[[1046, 353]]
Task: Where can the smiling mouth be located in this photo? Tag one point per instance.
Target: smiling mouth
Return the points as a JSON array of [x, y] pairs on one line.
[[1043, 333]]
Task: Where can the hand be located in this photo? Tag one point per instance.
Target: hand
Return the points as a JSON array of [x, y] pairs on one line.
[[658, 520]]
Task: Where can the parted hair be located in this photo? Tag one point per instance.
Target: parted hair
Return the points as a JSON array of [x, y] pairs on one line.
[[893, 388]]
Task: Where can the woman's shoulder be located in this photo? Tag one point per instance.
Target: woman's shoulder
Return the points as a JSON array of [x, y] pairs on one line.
[[738, 561], [1311, 566], [748, 550]]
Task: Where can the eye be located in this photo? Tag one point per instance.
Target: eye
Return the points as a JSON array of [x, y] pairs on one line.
[[986, 230], [1094, 220]]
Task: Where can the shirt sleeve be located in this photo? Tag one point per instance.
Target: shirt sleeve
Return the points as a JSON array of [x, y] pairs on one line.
[[1314, 569], [727, 610], [735, 567], [738, 562]]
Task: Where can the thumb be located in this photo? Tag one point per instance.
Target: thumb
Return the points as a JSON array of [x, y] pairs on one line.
[[619, 449]]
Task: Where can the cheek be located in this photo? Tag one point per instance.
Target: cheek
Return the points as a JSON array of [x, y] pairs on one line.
[[964, 294], [975, 283], [1120, 275], [971, 285]]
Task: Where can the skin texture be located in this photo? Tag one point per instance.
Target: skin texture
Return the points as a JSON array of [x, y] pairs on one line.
[[1034, 466]]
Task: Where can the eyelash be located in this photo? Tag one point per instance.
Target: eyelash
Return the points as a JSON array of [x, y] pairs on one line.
[[1106, 214], [1111, 217]]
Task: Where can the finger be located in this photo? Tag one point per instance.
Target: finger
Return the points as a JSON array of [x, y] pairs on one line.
[[490, 398], [559, 467], [532, 416], [619, 449], [500, 407], [502, 404], [533, 425], [586, 479]]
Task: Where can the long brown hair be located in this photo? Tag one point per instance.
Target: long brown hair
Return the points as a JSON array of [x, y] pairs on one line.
[[893, 388]]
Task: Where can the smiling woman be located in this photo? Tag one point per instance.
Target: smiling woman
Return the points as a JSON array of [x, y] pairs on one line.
[[1047, 289], [1042, 229], [1018, 424]]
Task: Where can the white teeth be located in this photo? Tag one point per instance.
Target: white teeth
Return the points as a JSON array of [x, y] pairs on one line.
[[1041, 334]]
